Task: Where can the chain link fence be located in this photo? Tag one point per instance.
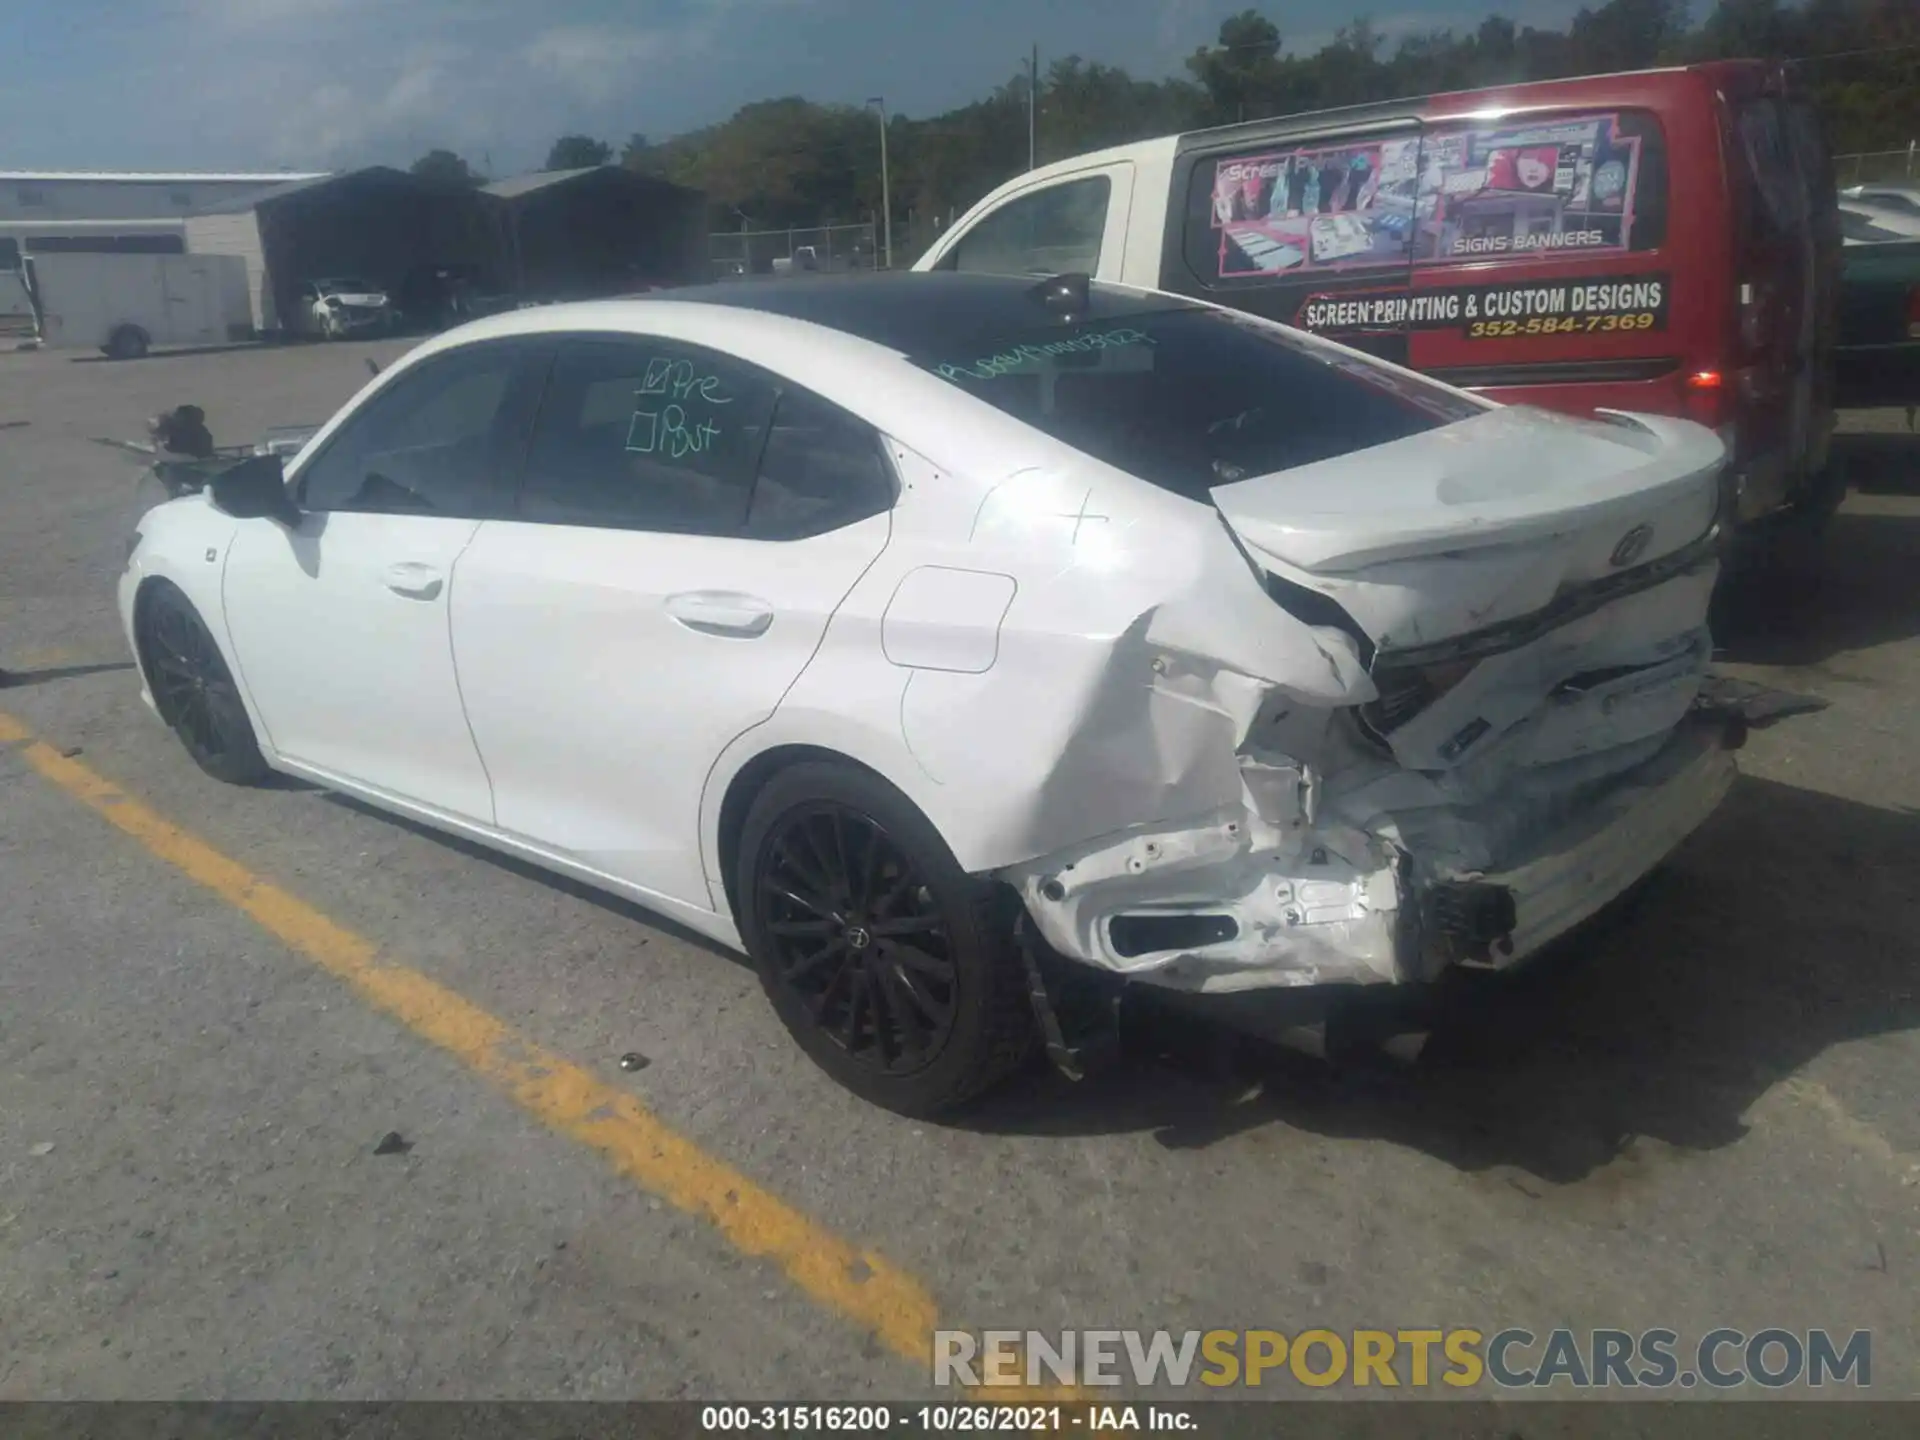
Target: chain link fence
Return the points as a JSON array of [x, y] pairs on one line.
[[826, 248], [1879, 167]]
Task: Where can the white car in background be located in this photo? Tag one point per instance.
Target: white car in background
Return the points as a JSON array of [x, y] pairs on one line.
[[340, 307], [943, 640]]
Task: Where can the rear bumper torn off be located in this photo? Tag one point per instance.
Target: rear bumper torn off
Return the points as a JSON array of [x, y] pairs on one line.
[[1236, 903]]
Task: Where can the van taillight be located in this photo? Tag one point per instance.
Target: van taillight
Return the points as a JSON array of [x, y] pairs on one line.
[[1913, 313], [1708, 397]]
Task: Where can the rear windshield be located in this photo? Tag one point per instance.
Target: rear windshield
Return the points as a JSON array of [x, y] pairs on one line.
[[1779, 147], [1189, 399]]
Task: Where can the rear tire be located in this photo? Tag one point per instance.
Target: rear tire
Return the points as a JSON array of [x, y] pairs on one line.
[[892, 967], [193, 689], [128, 342]]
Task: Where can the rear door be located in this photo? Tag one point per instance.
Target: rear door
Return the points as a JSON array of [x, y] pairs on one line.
[[673, 562], [1313, 229]]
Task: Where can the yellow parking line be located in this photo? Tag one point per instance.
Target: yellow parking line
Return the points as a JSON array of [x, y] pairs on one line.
[[856, 1284]]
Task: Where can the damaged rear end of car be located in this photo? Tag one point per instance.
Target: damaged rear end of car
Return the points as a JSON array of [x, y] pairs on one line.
[[1460, 654]]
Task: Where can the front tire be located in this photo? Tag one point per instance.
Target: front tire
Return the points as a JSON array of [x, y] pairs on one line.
[[891, 966], [193, 689]]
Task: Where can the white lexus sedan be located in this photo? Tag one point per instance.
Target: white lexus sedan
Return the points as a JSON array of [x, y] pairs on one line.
[[946, 641]]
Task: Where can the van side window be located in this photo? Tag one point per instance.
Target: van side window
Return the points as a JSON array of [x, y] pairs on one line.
[[1053, 231], [1585, 183], [1285, 210], [1561, 185], [1774, 169]]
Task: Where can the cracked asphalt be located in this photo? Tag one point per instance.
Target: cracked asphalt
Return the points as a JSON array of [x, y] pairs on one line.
[[1700, 1114]]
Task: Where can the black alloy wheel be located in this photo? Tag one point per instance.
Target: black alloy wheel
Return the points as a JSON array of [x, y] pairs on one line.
[[855, 935], [194, 690], [891, 966]]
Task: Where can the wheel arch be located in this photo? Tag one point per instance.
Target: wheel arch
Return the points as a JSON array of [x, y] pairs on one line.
[[202, 587], [795, 735], [745, 785]]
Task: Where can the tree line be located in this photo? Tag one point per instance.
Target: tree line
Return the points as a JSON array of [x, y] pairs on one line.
[[792, 162]]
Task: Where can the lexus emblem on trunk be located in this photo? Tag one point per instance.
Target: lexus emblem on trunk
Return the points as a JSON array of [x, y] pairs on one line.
[[1632, 546]]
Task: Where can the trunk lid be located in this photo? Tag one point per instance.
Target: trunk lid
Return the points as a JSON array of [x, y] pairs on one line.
[[1526, 587], [1491, 519]]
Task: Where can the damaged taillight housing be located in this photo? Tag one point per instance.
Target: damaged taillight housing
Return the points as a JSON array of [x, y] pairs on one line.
[[1406, 691]]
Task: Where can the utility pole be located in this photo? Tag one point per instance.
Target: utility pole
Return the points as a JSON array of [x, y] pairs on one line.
[[886, 193], [1033, 101]]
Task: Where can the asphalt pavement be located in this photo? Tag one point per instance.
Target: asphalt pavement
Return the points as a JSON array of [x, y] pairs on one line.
[[216, 1003]]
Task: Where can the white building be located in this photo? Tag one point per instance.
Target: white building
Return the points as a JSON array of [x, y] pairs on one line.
[[50, 210], [43, 197]]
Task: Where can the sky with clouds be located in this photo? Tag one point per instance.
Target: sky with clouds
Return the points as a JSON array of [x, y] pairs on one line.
[[211, 84]]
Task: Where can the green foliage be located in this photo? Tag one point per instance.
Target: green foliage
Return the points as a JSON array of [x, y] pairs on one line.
[[790, 162], [443, 167], [577, 152]]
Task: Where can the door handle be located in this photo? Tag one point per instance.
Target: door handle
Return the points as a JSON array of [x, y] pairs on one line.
[[721, 612], [414, 579]]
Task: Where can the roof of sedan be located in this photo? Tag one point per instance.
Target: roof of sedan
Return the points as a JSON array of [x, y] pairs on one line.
[[916, 311]]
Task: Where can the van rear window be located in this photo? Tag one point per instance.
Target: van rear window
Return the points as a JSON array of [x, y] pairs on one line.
[[1592, 182]]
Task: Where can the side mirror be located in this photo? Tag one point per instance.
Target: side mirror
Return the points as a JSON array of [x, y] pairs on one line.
[[254, 489]]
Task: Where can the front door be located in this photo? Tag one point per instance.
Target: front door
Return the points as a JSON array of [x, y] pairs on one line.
[[672, 569], [340, 625]]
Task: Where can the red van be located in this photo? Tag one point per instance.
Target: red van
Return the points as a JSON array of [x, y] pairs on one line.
[[1665, 241]]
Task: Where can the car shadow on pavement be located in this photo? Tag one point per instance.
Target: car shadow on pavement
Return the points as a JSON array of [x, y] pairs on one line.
[[21, 679], [1785, 927], [565, 884], [1858, 592]]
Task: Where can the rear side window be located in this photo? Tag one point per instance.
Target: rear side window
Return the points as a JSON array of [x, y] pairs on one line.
[[1189, 399], [1053, 231], [821, 468], [646, 435]]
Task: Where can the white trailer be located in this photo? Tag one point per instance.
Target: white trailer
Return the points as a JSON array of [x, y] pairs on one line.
[[125, 304]]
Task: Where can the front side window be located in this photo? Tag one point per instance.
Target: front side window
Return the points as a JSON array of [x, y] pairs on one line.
[[1054, 231], [1191, 399], [428, 444], [646, 435]]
